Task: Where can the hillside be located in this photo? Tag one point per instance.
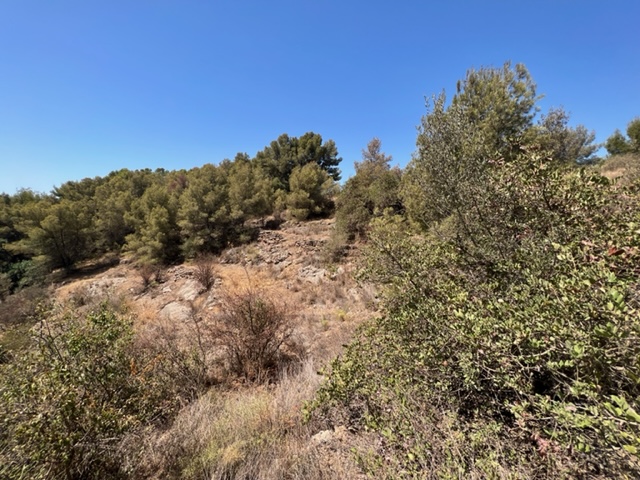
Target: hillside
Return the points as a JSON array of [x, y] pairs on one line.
[[325, 305], [286, 263], [473, 315]]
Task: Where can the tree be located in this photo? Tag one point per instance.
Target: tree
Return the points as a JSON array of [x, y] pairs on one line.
[[565, 144], [309, 190], [204, 216], [58, 232], [633, 132], [447, 173], [617, 144], [500, 102], [372, 190], [16, 260], [156, 236], [250, 190], [114, 199], [8, 233], [284, 154]]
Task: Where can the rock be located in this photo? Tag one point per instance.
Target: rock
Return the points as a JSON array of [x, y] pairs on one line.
[[175, 311], [312, 274], [326, 437], [190, 290], [322, 437], [101, 287]]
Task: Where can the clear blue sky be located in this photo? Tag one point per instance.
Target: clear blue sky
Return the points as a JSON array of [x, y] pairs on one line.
[[87, 87]]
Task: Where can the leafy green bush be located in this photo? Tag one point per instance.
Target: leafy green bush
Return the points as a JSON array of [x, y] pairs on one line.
[[66, 404], [509, 346]]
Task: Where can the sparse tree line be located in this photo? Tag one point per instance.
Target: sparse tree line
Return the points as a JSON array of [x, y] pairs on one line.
[[163, 216]]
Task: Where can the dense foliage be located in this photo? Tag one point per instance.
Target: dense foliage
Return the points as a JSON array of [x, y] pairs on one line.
[[509, 345], [161, 216], [67, 403]]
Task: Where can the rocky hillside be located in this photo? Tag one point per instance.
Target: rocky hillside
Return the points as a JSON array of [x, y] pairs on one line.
[[286, 264]]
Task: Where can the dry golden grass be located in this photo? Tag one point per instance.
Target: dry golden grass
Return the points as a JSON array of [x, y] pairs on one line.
[[622, 168], [248, 434]]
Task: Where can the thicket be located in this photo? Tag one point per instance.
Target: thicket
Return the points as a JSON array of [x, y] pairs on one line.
[[163, 216], [81, 399], [67, 402], [509, 345]]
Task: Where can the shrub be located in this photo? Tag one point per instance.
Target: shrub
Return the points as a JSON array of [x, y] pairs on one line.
[[150, 274], [17, 315], [515, 357], [66, 405], [205, 272], [253, 329], [183, 355]]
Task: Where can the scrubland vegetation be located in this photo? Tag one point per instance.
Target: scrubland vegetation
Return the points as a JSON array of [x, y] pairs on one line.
[[505, 342]]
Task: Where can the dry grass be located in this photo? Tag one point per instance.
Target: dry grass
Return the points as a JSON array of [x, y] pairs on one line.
[[205, 271], [622, 168], [248, 434]]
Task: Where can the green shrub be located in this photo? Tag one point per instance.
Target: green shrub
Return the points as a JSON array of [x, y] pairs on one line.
[[511, 354], [66, 404]]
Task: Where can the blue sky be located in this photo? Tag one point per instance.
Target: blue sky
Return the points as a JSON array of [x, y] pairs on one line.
[[87, 87]]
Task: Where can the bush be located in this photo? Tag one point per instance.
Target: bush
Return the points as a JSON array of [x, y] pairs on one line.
[[184, 364], [205, 272], [66, 405], [254, 330], [150, 275], [515, 357]]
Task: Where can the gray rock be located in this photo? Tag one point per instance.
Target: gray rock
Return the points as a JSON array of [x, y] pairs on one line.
[[175, 311], [312, 274], [322, 437], [190, 290]]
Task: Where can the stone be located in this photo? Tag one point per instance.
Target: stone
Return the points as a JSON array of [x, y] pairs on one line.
[[175, 311], [190, 290]]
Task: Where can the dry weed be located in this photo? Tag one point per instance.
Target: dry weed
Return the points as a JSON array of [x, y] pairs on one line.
[[254, 433], [253, 329], [205, 271]]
